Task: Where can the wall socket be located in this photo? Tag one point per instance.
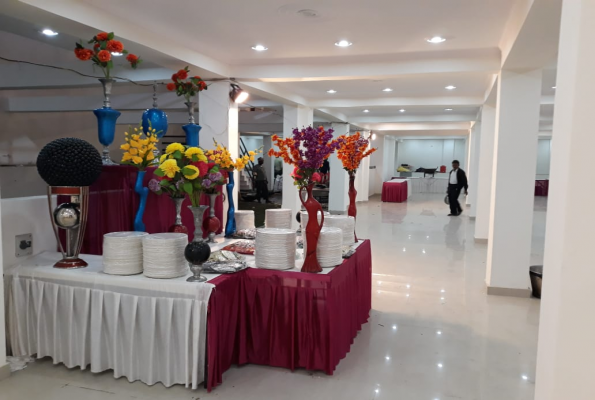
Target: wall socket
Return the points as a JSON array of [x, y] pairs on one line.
[[23, 245]]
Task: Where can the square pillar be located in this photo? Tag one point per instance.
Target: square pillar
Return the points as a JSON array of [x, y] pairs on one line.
[[219, 118], [473, 168], [565, 349], [293, 117], [338, 201], [269, 162], [484, 181], [513, 183]]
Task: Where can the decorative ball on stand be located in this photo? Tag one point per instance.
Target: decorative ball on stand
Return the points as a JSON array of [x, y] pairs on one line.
[[67, 215], [69, 162], [196, 253]]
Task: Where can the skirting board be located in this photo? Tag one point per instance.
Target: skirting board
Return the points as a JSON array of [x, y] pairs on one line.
[[482, 241], [4, 372], [499, 291]]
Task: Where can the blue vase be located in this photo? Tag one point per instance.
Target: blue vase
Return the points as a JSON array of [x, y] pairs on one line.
[[192, 129], [143, 192], [106, 121], [156, 119], [230, 224]]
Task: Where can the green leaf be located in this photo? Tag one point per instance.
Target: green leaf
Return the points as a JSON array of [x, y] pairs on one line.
[[187, 187], [124, 51], [177, 154], [187, 171], [110, 64], [215, 168], [165, 183], [194, 157], [110, 36], [196, 184], [103, 45], [159, 172], [79, 46]]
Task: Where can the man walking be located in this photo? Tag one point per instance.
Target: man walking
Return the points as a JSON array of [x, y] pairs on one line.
[[457, 180], [262, 183]]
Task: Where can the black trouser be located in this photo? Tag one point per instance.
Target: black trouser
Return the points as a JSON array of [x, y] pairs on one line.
[[262, 190], [453, 199]]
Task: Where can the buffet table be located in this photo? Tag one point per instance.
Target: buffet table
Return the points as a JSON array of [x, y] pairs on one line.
[[395, 191]]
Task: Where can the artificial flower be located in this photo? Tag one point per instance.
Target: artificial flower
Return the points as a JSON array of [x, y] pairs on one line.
[[163, 158], [101, 36], [132, 58], [104, 56], [154, 185], [126, 157], [83, 54], [172, 148], [203, 168], [174, 77], [316, 177], [170, 167], [171, 86], [125, 146], [191, 172], [182, 74], [137, 160], [115, 46], [192, 151]]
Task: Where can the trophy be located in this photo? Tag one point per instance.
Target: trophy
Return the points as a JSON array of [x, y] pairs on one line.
[[69, 166]]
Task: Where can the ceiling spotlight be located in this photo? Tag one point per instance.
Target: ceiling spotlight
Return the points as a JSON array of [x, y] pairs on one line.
[[366, 111], [373, 136], [343, 43], [237, 94], [450, 87], [448, 109], [436, 39], [331, 91], [49, 32], [116, 54], [553, 87], [402, 110], [387, 89], [259, 47]]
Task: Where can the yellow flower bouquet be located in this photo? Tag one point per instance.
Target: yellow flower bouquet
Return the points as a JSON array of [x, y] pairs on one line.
[[139, 151]]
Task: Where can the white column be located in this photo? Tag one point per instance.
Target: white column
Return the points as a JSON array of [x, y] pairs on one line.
[[388, 159], [513, 182], [269, 162], [362, 177], [218, 116], [4, 367], [293, 117], [473, 168], [339, 181], [484, 177], [565, 351]]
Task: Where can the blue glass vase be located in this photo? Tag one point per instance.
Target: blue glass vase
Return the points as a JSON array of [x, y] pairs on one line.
[[192, 129], [156, 119], [230, 224], [143, 192], [106, 121]]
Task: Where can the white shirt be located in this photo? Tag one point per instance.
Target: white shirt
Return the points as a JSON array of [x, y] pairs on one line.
[[453, 177]]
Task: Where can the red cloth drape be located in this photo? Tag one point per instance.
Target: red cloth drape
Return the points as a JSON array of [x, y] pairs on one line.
[[394, 192], [113, 204], [542, 187], [288, 319]]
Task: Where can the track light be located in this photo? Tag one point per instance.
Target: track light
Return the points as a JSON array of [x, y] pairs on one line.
[[237, 94]]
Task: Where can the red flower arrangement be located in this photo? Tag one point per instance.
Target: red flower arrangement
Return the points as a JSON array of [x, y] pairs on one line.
[[104, 45], [187, 88]]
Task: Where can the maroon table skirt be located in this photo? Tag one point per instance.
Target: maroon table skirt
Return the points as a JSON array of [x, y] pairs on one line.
[[394, 192], [542, 187], [288, 319], [113, 204]]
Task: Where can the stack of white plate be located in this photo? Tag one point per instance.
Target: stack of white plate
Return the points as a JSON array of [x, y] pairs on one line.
[[275, 248], [278, 218], [304, 218], [163, 255], [330, 247], [244, 219], [347, 225], [123, 253]]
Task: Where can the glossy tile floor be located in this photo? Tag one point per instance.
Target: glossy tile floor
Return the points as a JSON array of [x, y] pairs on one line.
[[433, 333]]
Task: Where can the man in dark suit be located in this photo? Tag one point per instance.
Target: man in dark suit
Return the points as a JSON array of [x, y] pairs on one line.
[[457, 180]]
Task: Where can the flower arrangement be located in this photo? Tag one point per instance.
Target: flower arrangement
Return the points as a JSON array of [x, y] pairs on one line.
[[184, 86], [139, 151], [222, 157], [306, 150], [104, 46], [352, 151]]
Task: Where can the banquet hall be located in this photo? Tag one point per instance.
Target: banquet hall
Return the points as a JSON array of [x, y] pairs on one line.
[[258, 199]]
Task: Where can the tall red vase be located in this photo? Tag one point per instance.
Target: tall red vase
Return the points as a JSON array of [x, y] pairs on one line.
[[313, 229], [352, 210]]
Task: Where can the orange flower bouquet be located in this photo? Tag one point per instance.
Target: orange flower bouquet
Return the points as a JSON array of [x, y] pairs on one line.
[[351, 152], [104, 47]]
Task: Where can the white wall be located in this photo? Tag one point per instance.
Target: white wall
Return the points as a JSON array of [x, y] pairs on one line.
[[2, 318], [388, 158], [543, 158], [429, 153], [376, 160]]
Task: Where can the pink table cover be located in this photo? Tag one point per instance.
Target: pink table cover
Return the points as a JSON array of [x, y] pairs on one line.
[[287, 319], [394, 192], [113, 204]]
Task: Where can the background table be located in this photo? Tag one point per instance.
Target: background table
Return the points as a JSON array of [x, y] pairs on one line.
[[113, 204], [395, 191], [288, 319], [152, 330]]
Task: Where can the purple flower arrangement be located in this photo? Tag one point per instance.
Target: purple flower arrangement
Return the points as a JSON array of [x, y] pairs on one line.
[[314, 146]]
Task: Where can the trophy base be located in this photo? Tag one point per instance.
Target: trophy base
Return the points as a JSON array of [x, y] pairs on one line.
[[70, 263]]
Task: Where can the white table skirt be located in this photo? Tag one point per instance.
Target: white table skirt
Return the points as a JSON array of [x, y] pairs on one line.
[[429, 185], [145, 329]]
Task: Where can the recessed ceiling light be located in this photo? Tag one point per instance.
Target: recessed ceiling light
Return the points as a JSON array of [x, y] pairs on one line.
[[366, 111], [553, 87], [450, 87], [49, 32], [116, 54], [436, 39], [448, 109], [343, 43], [387, 89], [373, 136], [331, 91], [259, 47], [402, 110]]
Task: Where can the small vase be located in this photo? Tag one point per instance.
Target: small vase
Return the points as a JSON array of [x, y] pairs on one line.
[[352, 210], [313, 229], [178, 227], [213, 223], [197, 213], [106, 121], [197, 253], [143, 192], [230, 224], [192, 129]]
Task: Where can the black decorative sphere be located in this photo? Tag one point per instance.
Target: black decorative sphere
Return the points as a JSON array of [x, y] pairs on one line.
[[197, 252], [69, 162]]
